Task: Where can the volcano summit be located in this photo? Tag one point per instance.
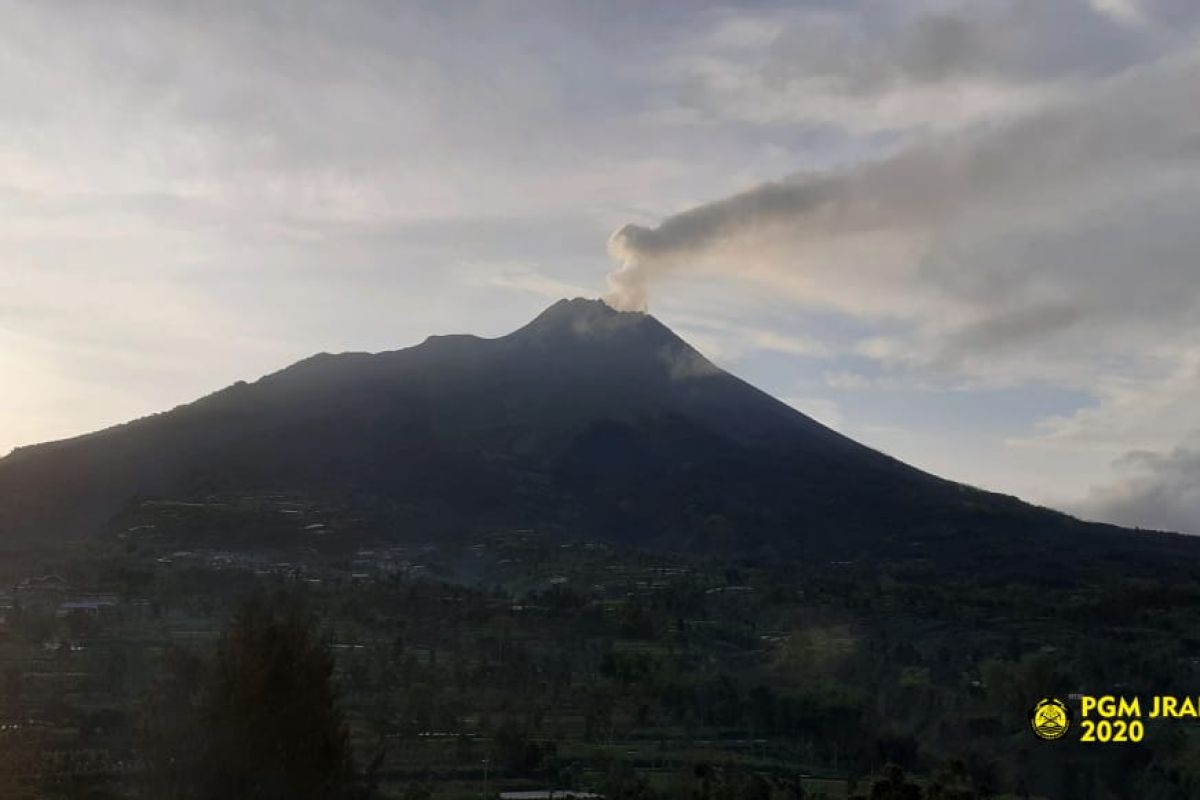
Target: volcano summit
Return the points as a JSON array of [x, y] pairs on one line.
[[586, 421]]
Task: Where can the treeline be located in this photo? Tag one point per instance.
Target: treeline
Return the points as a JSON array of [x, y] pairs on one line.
[[905, 680]]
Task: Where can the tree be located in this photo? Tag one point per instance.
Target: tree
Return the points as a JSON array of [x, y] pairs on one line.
[[890, 784], [172, 734], [790, 786], [259, 720], [951, 782], [517, 750], [623, 783]]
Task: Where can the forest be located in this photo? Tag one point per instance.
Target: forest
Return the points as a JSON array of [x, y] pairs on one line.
[[530, 661]]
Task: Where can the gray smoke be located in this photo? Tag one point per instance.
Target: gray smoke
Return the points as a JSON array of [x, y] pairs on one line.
[[1159, 490], [1142, 120]]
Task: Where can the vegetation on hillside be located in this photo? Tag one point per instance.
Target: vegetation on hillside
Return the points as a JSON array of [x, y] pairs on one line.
[[521, 660]]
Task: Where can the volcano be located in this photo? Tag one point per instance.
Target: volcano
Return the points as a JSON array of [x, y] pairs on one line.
[[586, 421]]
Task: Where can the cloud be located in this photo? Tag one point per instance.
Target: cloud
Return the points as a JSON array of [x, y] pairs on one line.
[[1158, 490], [234, 187], [522, 278], [1048, 243], [1127, 12], [730, 341], [890, 238], [872, 66], [1028, 325]]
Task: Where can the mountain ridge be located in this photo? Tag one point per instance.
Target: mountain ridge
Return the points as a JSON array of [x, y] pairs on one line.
[[585, 419]]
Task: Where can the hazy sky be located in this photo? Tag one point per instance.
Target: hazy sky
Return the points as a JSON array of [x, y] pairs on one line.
[[963, 232]]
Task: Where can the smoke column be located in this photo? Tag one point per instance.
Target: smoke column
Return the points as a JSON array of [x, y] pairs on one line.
[[1142, 120]]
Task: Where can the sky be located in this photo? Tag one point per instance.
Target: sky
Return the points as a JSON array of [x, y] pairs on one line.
[[964, 233]]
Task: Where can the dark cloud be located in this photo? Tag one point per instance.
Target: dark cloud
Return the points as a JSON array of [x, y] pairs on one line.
[[1024, 326], [872, 46], [1160, 490]]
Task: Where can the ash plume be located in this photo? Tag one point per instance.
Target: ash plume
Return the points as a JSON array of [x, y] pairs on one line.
[[1134, 124]]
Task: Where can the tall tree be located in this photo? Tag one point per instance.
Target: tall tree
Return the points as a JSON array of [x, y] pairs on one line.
[[259, 720]]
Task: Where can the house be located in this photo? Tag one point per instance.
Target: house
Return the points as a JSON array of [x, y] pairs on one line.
[[87, 606]]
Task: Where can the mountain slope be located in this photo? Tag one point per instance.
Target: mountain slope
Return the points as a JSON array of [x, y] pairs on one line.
[[586, 420]]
